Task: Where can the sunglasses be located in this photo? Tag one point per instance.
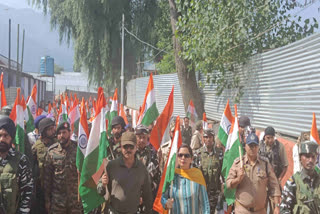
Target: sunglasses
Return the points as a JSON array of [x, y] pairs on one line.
[[185, 155], [128, 146]]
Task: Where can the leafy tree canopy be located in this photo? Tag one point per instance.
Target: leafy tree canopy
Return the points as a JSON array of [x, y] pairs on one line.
[[217, 35], [94, 26]]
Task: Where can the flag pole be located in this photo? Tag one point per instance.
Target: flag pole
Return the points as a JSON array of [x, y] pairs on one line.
[[240, 155], [78, 185]]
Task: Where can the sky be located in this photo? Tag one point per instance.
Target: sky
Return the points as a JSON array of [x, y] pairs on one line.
[[18, 4]]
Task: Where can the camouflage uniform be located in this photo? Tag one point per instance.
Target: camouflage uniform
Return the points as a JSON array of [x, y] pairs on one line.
[[210, 165], [16, 183], [301, 194], [61, 179], [149, 158], [39, 151], [114, 150]]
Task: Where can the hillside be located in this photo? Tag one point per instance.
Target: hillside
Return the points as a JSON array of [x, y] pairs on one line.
[[40, 40]]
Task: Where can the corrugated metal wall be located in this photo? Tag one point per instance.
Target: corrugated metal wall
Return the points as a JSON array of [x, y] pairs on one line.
[[281, 89], [136, 90]]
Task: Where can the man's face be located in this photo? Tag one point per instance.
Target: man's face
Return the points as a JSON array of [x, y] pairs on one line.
[[308, 161], [50, 131], [142, 141], [252, 150], [127, 112], [186, 122], [128, 151], [63, 136], [116, 131], [5, 141], [208, 141], [269, 139]]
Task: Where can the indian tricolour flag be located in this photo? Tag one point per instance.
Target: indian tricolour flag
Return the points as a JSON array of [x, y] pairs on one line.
[[74, 116], [92, 167], [63, 115], [225, 125], [161, 128], [123, 114], [149, 111], [17, 115], [82, 136], [32, 109], [192, 114], [113, 109], [168, 171], [314, 136], [231, 153]]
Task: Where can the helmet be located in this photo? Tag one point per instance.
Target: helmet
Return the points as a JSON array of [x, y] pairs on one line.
[[6, 110], [45, 123], [118, 120]]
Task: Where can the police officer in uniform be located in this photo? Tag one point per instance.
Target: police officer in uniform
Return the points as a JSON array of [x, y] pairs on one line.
[[209, 159], [39, 151], [16, 182], [301, 194], [114, 149], [61, 177], [252, 176]]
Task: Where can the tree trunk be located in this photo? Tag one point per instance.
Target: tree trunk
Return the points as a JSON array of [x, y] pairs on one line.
[[187, 79]]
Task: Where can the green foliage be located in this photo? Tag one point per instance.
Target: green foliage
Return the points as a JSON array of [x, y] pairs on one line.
[[94, 27], [58, 69], [165, 62], [218, 36]]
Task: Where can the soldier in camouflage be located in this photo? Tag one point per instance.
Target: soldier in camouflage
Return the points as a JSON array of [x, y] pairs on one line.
[[39, 151], [209, 159], [16, 182], [301, 194], [114, 149], [148, 156], [61, 177]]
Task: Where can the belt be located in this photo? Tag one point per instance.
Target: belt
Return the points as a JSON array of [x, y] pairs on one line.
[[250, 209]]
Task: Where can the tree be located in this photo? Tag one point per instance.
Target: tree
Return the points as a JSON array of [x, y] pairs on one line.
[[187, 78], [58, 69], [94, 27], [218, 36]]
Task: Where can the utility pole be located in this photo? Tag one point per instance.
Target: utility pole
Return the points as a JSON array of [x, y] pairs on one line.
[[22, 49], [9, 54], [122, 62], [18, 82]]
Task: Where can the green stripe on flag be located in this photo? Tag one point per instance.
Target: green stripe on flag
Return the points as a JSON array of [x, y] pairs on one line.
[[19, 139], [150, 115], [169, 173], [223, 136]]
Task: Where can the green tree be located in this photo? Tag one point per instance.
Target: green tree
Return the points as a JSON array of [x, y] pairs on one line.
[[58, 69], [94, 27], [218, 36]]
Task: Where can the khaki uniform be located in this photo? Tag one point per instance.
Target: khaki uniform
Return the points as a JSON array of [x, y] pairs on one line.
[[163, 154], [61, 179], [251, 193], [196, 140]]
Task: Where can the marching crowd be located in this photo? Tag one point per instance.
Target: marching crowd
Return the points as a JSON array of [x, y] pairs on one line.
[[45, 179]]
